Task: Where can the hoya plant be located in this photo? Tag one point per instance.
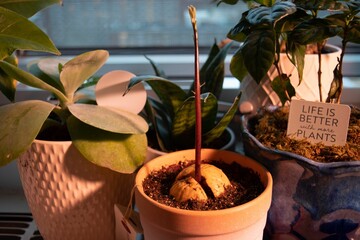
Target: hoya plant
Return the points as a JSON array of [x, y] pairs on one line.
[[171, 115], [271, 27], [106, 136]]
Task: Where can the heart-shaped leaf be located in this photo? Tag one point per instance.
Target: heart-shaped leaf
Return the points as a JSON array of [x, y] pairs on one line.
[[20, 124]]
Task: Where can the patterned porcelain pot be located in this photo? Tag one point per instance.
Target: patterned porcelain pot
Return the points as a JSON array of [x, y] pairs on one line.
[[310, 200], [69, 197]]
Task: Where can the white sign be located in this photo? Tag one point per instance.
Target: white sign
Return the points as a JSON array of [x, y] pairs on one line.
[[318, 122]]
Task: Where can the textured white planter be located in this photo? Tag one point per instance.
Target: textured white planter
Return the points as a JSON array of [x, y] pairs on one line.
[[243, 222], [69, 197], [262, 94]]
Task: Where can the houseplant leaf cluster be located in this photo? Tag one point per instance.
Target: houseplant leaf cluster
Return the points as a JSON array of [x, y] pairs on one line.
[[106, 136], [171, 115], [271, 27]]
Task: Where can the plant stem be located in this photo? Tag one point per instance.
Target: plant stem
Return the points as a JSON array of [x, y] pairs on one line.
[[319, 48], [198, 127]]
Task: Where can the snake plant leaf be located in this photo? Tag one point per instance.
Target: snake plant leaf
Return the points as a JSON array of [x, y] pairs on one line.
[[109, 119], [220, 127], [170, 94], [123, 153], [20, 124], [258, 52], [80, 68], [17, 32], [7, 83], [27, 8], [283, 88], [237, 66], [158, 71], [184, 120], [313, 31], [269, 15], [213, 70], [30, 80]]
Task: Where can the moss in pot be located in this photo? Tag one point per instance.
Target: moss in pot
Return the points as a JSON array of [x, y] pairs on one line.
[[172, 211]]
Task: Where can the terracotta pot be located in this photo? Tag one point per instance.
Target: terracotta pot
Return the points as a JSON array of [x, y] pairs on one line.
[[69, 197], [311, 200], [262, 94], [162, 222], [230, 145]]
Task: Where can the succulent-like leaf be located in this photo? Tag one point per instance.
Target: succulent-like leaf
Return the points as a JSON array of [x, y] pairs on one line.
[[224, 122], [170, 94], [30, 80], [47, 70], [27, 8], [119, 152], [17, 32], [20, 124], [77, 70], [7, 83], [258, 52], [109, 119], [184, 120], [237, 66]]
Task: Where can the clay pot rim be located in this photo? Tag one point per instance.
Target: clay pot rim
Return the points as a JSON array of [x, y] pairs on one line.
[[263, 197]]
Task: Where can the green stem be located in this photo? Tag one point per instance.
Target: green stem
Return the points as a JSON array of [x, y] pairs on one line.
[[198, 126], [319, 49]]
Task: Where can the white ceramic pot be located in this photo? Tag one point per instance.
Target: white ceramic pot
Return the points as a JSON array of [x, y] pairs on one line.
[[262, 94], [69, 197], [162, 222]]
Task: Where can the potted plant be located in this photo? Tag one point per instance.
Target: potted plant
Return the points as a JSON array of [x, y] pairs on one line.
[[171, 112], [73, 158], [311, 199], [161, 221]]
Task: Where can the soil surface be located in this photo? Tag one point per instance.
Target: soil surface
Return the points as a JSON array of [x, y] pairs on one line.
[[271, 126], [245, 186]]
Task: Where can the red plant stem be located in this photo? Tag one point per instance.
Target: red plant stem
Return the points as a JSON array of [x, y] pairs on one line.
[[198, 126]]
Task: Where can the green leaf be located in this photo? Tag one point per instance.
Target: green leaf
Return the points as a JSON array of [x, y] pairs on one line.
[[27, 8], [47, 70], [7, 83], [297, 57], [30, 80], [283, 88], [184, 120], [258, 52], [109, 119], [170, 94], [313, 31], [316, 5], [20, 124], [270, 15], [17, 32], [80, 68], [158, 72], [212, 73], [119, 152], [224, 122], [241, 29], [237, 66]]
